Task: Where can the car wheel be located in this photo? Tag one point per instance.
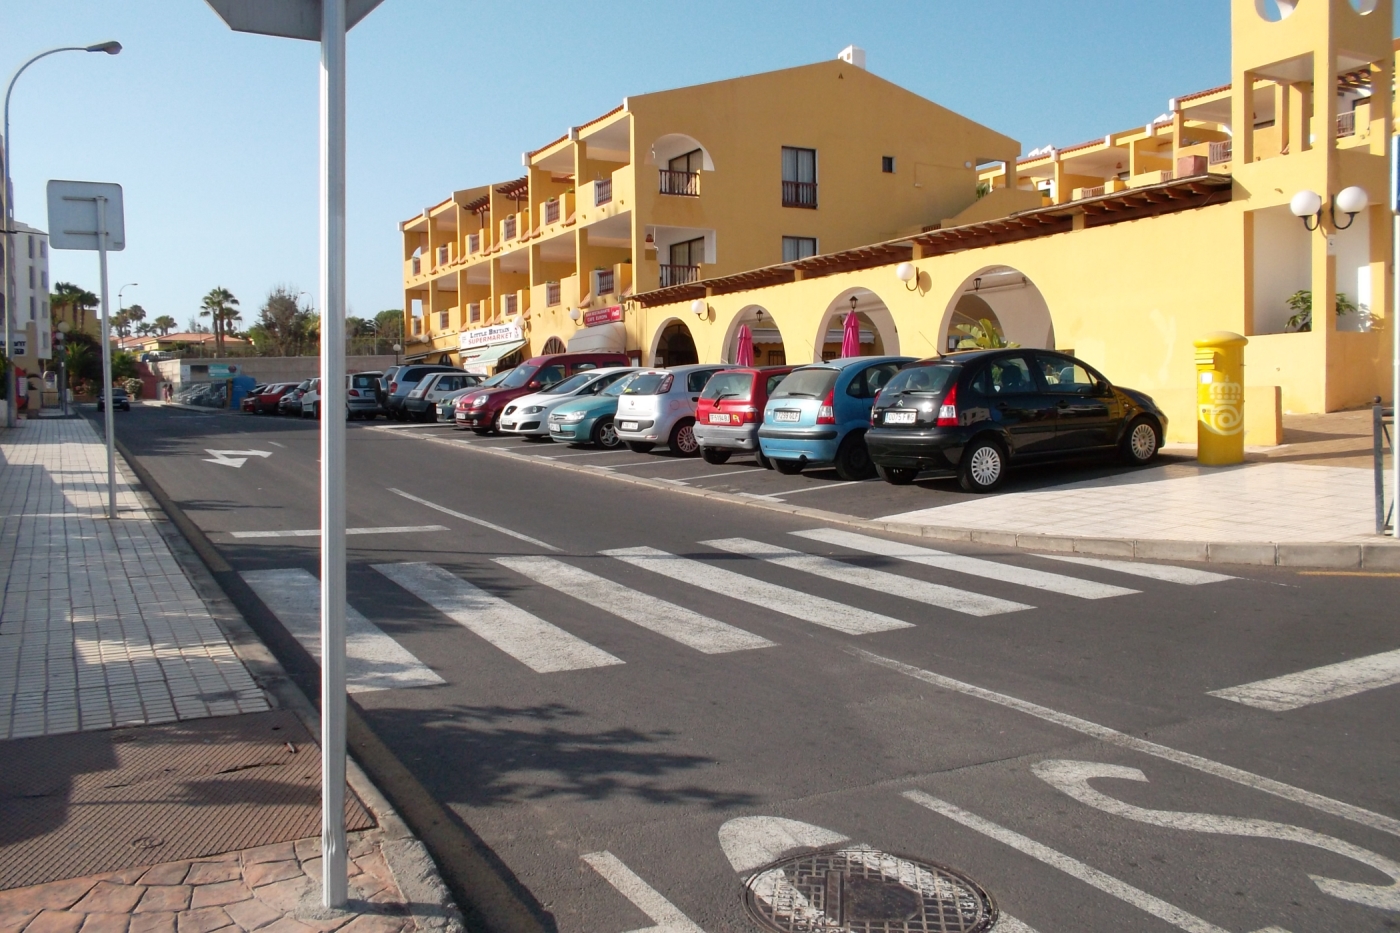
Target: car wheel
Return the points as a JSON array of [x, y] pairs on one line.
[[789, 467], [481, 432], [715, 455], [983, 466], [853, 460], [762, 460], [897, 476], [1140, 442], [640, 447], [369, 415], [605, 434], [682, 441]]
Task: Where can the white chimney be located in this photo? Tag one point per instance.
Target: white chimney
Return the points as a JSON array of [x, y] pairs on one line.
[[853, 55]]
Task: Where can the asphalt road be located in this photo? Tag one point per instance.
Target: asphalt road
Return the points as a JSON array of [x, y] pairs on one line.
[[954, 714]]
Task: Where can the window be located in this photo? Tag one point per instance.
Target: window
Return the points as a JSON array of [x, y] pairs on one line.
[[31, 269], [33, 305], [690, 162], [1007, 376], [777, 358], [887, 164], [681, 175], [508, 305], [695, 382], [549, 375], [689, 253], [1066, 377], [870, 381], [798, 247], [474, 312], [44, 280], [31, 247], [799, 177], [43, 249]]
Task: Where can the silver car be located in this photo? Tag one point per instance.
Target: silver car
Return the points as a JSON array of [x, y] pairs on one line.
[[658, 407]]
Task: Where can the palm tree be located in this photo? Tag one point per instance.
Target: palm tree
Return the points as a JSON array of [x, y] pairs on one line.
[[219, 306], [165, 324], [79, 301]]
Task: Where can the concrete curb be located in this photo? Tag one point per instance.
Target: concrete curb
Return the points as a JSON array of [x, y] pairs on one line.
[[433, 908], [1382, 555]]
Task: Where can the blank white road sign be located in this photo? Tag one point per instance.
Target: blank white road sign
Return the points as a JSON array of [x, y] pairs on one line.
[[73, 215]]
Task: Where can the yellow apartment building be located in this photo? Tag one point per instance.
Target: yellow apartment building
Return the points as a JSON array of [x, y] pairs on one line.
[[1126, 248], [675, 188]]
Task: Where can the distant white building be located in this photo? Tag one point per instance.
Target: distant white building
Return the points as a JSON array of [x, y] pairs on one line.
[[31, 312]]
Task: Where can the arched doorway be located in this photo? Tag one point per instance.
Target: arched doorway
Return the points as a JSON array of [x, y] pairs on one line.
[[994, 306], [878, 334], [553, 345], [675, 346], [767, 339]]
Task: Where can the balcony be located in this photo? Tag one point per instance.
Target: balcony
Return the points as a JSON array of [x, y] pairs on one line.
[[509, 227], [417, 326], [473, 243], [474, 313], [443, 255], [678, 275], [800, 194], [444, 320], [1220, 152], [510, 305], [1346, 125], [682, 184], [416, 265], [552, 294], [550, 212], [604, 282], [602, 191]]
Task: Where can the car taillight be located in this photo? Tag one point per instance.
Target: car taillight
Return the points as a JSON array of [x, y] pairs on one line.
[[827, 413], [354, 393], [393, 387], [748, 415], [665, 385], [948, 411]]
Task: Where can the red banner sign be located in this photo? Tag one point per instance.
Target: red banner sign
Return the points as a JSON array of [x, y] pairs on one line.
[[602, 316]]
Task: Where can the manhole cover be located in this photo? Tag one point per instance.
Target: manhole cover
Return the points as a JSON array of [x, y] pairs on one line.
[[858, 889]]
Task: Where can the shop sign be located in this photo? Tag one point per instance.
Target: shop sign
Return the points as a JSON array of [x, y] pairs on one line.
[[609, 315], [222, 370], [486, 336], [21, 345]]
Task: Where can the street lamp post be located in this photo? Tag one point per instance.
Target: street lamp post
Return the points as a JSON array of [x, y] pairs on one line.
[[119, 295], [63, 328], [7, 268]]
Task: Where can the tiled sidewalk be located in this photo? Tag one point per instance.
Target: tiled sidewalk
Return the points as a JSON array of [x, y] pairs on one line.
[[99, 627]]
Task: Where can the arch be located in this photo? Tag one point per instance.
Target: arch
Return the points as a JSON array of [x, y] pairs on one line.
[[876, 324], [1008, 299], [768, 346], [670, 145], [1273, 11], [673, 344], [553, 345]]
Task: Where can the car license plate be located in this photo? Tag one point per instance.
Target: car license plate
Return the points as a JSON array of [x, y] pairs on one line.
[[786, 414], [718, 418], [629, 425], [555, 429], [899, 417], [507, 425]]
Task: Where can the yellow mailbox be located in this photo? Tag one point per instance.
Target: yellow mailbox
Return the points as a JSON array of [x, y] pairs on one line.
[[1220, 398]]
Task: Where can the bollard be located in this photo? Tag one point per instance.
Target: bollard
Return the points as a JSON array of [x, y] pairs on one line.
[[1220, 398]]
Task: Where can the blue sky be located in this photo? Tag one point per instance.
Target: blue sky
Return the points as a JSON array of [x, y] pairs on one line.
[[213, 134]]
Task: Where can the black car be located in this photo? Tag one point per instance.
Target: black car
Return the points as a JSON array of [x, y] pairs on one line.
[[977, 412], [120, 400]]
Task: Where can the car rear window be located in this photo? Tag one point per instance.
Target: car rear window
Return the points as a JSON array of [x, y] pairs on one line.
[[646, 384], [364, 382], [726, 386], [806, 383], [922, 380]]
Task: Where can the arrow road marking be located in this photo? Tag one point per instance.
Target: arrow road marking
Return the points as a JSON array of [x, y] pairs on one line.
[[233, 458], [646, 898]]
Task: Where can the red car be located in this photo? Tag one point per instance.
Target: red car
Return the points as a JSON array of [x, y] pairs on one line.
[[264, 402], [730, 410], [481, 411]]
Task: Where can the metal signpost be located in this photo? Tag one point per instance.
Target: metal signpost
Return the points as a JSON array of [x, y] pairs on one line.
[[88, 215], [326, 21], [1395, 330]]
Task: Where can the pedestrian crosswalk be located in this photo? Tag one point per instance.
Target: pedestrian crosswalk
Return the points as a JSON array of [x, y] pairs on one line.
[[707, 592]]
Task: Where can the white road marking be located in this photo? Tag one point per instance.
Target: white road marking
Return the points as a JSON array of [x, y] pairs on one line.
[[986, 569], [1307, 798], [275, 444], [233, 458], [1072, 778], [1165, 572], [932, 594], [532, 641], [657, 615], [316, 532], [1331, 682], [1069, 865], [373, 659], [791, 602], [643, 896], [656, 461], [475, 521], [812, 488]]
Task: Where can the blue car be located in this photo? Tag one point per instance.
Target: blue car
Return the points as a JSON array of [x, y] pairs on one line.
[[589, 419], [819, 414]]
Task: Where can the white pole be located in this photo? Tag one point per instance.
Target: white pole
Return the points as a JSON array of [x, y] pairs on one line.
[[6, 269], [333, 846], [107, 361], [1395, 369]]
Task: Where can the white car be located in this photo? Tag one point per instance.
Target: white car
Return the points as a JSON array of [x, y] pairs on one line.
[[528, 416], [311, 401], [658, 407]]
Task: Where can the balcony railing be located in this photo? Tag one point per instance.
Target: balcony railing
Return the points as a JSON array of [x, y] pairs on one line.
[[442, 252], [602, 192], [1346, 124], [604, 282], [1220, 152], [678, 275], [509, 228], [685, 184], [509, 305], [473, 243], [442, 320], [800, 194], [474, 312], [417, 325], [551, 212], [1093, 192], [551, 293], [417, 266]]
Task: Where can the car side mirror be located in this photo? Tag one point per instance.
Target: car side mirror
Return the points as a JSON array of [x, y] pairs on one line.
[[534, 384], [1102, 389]]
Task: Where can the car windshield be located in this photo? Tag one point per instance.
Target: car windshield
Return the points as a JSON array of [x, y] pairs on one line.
[[518, 377], [645, 383], [497, 379], [616, 389], [724, 386], [118, 393], [806, 383], [573, 383], [921, 380]]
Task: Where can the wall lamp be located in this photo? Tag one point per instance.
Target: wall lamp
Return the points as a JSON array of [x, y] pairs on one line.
[[698, 307], [1307, 206], [907, 274], [573, 314]]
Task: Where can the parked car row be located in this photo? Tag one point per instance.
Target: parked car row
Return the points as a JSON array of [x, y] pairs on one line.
[[974, 414]]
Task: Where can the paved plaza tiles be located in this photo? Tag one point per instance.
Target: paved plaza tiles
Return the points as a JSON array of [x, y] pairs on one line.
[[99, 627]]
